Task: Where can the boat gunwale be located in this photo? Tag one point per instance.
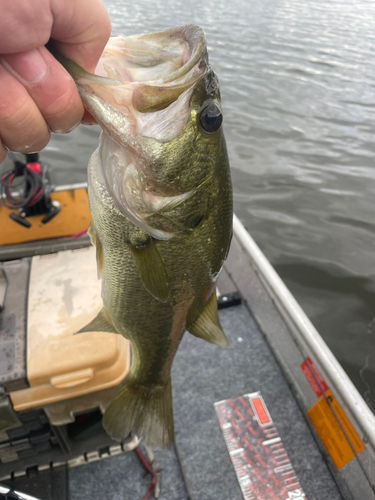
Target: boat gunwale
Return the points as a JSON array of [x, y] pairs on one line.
[[306, 334]]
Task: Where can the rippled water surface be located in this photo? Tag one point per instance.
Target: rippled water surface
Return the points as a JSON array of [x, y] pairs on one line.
[[297, 80]]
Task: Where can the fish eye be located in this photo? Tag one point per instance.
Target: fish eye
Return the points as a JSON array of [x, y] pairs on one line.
[[211, 117]]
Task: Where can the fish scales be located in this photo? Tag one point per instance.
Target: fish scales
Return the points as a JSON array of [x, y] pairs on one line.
[[161, 206]]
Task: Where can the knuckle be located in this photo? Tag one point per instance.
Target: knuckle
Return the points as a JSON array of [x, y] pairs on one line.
[[34, 38]]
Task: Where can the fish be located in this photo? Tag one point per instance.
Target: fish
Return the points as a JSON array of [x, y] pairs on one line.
[[160, 197]]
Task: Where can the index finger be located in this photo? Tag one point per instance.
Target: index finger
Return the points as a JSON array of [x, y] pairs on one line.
[[80, 27]]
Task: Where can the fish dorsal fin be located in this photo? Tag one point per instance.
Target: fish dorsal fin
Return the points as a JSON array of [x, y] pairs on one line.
[[99, 324], [207, 326], [151, 269]]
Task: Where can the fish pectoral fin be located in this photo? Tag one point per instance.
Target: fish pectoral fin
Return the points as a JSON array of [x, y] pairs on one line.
[[151, 269], [99, 249], [207, 326], [99, 324]]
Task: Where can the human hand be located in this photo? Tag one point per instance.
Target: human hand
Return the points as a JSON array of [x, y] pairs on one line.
[[37, 95]]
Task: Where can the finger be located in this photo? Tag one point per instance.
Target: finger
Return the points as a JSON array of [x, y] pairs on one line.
[[49, 85], [82, 29], [22, 127], [3, 152], [24, 26]]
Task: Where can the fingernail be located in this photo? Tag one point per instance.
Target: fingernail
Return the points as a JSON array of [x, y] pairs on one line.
[[29, 65], [66, 130]]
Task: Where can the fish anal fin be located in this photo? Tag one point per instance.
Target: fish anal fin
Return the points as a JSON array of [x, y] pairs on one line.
[[99, 324], [151, 270], [207, 326]]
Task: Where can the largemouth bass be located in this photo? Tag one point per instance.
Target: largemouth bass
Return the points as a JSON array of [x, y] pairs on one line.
[[161, 204]]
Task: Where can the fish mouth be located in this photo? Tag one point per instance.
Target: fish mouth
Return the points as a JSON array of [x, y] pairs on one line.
[[141, 92], [142, 82], [162, 65]]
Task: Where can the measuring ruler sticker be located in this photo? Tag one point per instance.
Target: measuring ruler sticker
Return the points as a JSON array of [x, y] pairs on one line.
[[260, 461]]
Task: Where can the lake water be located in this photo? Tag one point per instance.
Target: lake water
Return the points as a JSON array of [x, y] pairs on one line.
[[298, 88]]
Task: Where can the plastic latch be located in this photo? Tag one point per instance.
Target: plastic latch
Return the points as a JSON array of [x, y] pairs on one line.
[[72, 379]]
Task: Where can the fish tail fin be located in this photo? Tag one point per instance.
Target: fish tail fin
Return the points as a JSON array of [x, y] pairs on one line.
[[147, 413]]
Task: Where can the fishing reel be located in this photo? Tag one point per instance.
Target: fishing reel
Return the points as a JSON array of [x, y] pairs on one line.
[[27, 189]]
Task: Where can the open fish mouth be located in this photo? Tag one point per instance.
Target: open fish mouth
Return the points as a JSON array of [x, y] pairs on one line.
[[140, 96], [147, 80], [163, 64]]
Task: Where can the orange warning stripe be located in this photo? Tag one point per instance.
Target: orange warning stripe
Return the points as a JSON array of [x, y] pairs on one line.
[[328, 421]]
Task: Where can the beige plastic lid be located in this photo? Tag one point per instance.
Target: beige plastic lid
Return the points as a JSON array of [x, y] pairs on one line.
[[64, 296]]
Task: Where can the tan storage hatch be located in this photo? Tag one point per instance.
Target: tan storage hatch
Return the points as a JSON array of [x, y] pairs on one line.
[[64, 295]]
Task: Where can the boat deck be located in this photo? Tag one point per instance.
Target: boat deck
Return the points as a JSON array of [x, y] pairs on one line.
[[199, 467], [265, 355]]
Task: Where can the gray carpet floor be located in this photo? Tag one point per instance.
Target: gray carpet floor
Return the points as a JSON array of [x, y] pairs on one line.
[[200, 467]]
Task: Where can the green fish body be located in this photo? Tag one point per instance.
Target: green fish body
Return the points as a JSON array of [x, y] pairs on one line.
[[161, 204]]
